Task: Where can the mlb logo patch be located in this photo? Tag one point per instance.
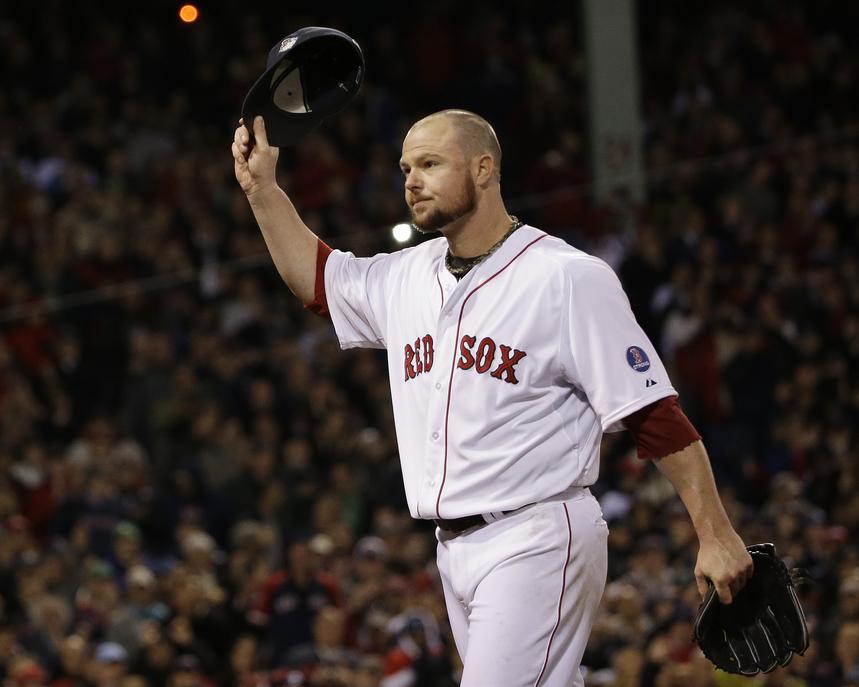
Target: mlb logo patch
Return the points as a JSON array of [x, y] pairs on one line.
[[287, 43], [637, 359]]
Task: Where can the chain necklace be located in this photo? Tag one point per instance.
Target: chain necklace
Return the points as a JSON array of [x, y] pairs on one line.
[[459, 267]]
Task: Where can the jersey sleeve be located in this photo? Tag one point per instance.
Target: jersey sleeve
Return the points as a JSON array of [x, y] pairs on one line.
[[357, 298], [319, 304], [604, 351]]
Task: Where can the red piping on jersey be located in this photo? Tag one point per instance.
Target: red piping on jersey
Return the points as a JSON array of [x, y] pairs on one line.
[[456, 353], [560, 600], [441, 293]]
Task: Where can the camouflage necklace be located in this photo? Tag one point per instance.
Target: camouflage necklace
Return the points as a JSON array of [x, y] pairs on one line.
[[459, 267]]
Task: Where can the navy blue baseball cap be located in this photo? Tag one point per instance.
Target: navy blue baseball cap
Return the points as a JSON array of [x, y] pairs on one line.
[[310, 75]]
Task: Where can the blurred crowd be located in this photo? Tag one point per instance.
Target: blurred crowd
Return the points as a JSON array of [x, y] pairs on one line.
[[199, 489]]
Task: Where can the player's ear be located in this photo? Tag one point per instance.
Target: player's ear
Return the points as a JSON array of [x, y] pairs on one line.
[[483, 168]]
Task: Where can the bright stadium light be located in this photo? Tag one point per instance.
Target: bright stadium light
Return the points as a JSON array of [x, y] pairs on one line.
[[188, 14], [402, 232]]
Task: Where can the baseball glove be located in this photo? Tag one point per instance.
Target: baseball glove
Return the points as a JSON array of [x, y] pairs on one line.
[[764, 625]]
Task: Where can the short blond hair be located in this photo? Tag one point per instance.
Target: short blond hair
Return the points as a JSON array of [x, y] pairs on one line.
[[475, 135]]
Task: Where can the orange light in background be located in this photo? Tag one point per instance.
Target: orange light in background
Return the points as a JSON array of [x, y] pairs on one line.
[[188, 13]]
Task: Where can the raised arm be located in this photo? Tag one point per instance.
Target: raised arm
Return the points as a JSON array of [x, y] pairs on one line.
[[291, 244], [722, 556]]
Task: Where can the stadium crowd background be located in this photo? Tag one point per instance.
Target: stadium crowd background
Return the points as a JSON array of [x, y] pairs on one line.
[[198, 488]]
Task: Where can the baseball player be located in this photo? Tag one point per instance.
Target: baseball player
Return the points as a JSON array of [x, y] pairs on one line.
[[509, 354]]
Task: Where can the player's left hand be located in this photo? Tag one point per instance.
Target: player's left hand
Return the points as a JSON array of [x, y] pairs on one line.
[[723, 560]]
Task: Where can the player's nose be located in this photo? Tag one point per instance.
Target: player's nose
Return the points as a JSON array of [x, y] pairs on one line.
[[412, 182]]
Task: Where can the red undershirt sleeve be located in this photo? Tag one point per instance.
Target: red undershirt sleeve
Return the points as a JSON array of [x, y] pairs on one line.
[[319, 304], [660, 429]]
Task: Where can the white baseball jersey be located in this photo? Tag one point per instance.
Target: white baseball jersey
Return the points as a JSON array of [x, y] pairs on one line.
[[503, 382]]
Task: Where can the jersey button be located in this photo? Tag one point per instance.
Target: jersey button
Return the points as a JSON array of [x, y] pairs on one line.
[[438, 385], [435, 435]]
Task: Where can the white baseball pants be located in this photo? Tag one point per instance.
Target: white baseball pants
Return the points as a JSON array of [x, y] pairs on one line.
[[522, 592]]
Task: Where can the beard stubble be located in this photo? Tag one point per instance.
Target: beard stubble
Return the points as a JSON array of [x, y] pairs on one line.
[[439, 218]]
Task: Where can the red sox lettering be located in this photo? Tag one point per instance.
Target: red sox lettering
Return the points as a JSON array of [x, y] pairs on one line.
[[418, 357], [481, 356]]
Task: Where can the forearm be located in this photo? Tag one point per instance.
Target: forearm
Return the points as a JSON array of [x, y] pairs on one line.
[[722, 556], [690, 472], [291, 244]]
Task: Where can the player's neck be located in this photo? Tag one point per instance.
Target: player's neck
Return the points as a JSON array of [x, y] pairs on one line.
[[478, 233]]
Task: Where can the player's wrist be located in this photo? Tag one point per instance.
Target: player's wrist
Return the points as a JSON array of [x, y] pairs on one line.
[[717, 531], [259, 194]]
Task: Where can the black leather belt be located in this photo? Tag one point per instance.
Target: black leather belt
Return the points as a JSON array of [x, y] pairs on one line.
[[459, 525]]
